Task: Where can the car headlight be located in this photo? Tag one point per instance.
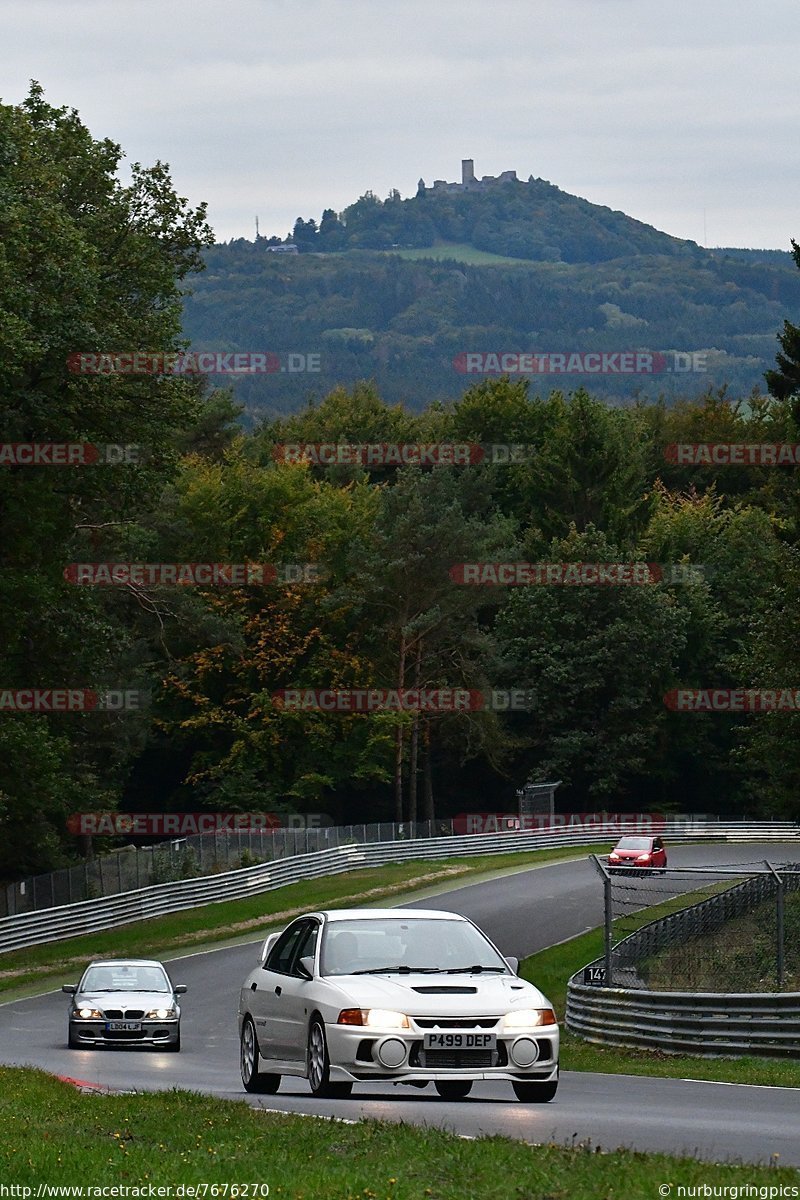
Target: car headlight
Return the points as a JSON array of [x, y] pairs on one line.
[[88, 1014], [529, 1018], [644, 858], [159, 1014], [383, 1018]]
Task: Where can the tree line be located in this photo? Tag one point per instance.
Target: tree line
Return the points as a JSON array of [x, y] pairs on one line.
[[382, 608]]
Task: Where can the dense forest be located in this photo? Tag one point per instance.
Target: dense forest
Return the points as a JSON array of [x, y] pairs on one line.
[[383, 608], [403, 320]]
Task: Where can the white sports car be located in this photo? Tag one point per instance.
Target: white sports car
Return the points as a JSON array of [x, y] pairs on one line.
[[402, 995]]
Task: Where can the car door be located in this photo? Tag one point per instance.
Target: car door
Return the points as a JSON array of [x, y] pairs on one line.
[[268, 998], [659, 855], [296, 994]]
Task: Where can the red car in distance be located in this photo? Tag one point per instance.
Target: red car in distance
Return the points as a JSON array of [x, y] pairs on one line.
[[637, 852]]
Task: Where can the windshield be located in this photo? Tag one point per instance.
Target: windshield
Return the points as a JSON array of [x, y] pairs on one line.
[[399, 945], [633, 843], [125, 979]]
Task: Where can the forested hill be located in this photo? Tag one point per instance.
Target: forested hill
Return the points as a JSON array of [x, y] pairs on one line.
[[534, 221], [399, 290]]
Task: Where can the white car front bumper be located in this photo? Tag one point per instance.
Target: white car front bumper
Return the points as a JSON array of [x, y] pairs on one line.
[[359, 1053]]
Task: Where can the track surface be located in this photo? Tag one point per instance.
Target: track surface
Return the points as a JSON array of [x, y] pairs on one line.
[[522, 913]]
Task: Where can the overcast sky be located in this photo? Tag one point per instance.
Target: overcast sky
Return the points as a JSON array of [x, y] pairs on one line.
[[682, 113]]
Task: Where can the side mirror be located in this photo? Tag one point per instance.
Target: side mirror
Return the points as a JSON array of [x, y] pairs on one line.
[[513, 963], [268, 944], [179, 989], [69, 988], [305, 966]]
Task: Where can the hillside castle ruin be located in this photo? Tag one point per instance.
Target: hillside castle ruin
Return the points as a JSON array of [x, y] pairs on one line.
[[469, 180]]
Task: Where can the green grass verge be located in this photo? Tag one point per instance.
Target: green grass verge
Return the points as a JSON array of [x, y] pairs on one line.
[[25, 971], [742, 952], [551, 969], [462, 252], [56, 1134]]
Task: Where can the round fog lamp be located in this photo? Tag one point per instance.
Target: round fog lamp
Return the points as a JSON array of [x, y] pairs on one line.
[[391, 1052], [524, 1052]]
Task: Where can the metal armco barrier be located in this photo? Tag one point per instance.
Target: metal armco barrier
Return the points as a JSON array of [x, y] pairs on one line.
[[90, 916], [703, 1023]]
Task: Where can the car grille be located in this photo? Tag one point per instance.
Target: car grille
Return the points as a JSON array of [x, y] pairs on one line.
[[122, 1035], [119, 1014], [452, 1059], [456, 1022], [455, 1059]]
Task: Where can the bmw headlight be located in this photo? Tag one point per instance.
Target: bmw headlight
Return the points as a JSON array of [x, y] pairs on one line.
[[529, 1018], [88, 1014], [159, 1014], [379, 1018]]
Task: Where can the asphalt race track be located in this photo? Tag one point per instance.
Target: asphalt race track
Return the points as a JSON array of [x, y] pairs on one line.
[[522, 913]]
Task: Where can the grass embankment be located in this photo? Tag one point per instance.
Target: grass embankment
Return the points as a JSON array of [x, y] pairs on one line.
[[55, 1134], [243, 920], [461, 252], [740, 956]]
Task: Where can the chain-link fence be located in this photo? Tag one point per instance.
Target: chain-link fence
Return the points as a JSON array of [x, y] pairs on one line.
[[727, 928], [189, 857]]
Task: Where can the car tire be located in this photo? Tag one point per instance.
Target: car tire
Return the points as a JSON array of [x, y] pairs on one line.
[[253, 1079], [453, 1089], [535, 1092], [318, 1066]]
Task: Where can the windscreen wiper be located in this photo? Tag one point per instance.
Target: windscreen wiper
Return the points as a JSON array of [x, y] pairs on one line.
[[401, 969], [477, 968]]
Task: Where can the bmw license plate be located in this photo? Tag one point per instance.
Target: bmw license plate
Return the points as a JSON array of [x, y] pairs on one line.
[[123, 1026], [441, 1040]]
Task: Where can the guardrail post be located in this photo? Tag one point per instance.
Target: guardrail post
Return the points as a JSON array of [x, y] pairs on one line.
[[779, 936], [607, 918]]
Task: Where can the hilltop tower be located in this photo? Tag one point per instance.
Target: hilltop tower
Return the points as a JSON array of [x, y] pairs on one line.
[[467, 170]]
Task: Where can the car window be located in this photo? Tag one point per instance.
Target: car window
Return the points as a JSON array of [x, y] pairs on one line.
[[308, 943], [633, 843], [121, 978], [355, 945], [283, 952]]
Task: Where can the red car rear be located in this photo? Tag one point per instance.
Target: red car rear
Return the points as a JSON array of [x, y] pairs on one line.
[[638, 852]]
